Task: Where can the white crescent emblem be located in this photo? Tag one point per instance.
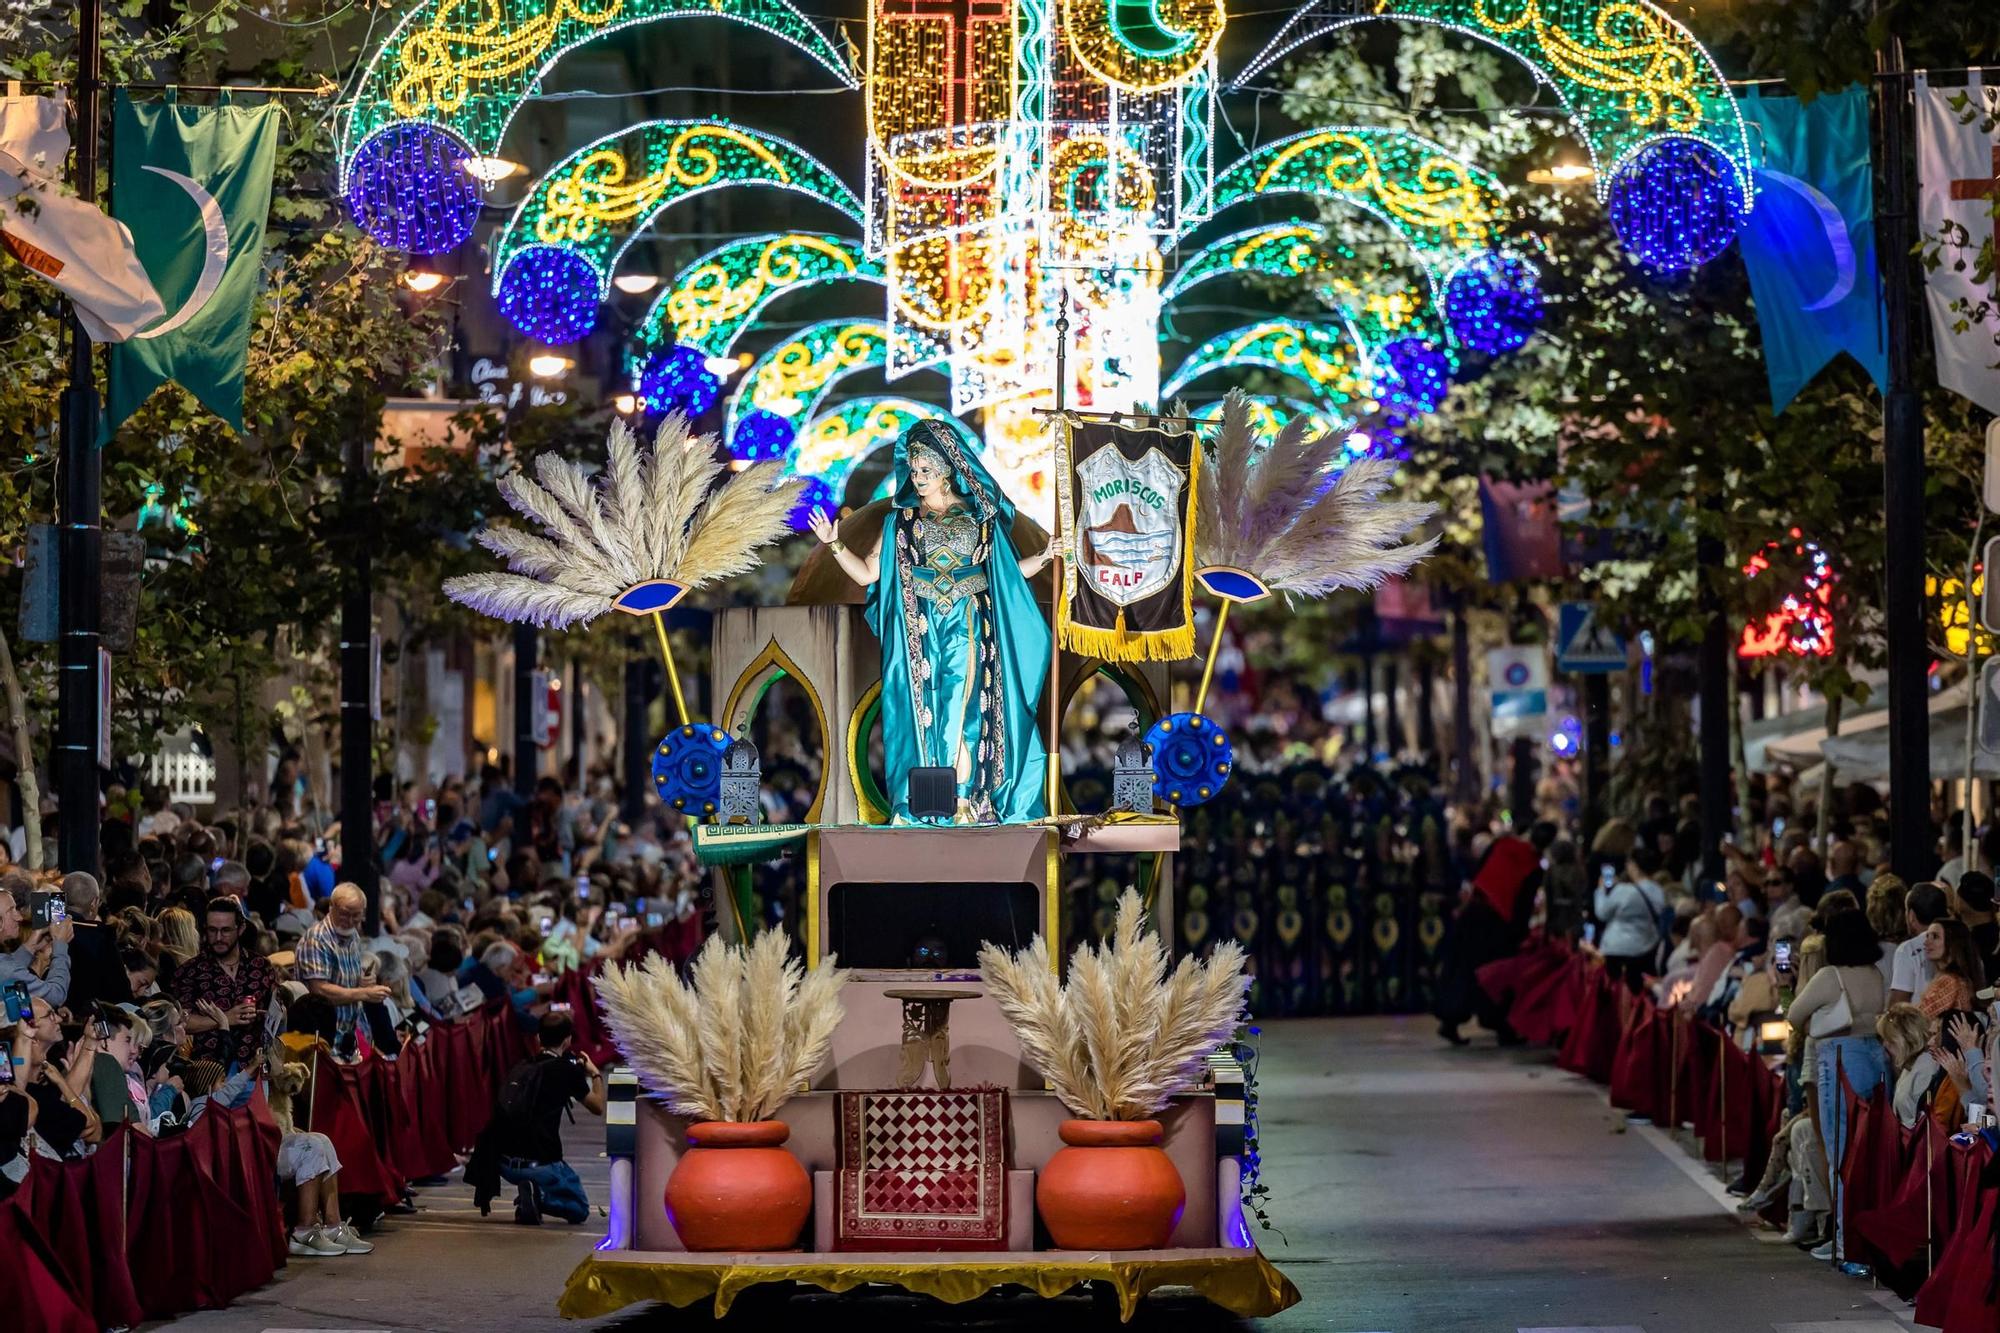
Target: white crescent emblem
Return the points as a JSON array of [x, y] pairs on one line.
[[1837, 238], [213, 262]]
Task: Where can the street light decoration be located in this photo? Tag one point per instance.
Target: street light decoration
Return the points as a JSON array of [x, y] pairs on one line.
[[1030, 167]]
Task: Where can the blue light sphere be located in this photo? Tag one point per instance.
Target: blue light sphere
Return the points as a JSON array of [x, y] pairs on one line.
[[1676, 204], [760, 437], [1494, 303], [679, 380], [550, 295], [1417, 374], [408, 189], [816, 494]]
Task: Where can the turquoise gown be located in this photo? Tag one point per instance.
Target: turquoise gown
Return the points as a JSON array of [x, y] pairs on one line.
[[965, 650]]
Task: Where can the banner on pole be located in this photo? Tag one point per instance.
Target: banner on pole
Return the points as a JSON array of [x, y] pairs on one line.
[[1958, 181], [87, 255], [1810, 245], [196, 183], [1127, 498]]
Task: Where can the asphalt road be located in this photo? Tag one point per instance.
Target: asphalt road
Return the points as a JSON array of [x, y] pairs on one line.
[[1415, 1189]]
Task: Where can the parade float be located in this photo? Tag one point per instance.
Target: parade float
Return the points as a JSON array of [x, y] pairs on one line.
[[1037, 190], [956, 1106]]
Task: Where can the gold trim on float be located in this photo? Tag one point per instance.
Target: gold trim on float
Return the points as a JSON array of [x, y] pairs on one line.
[[1242, 1282], [774, 656], [1052, 911], [857, 748], [812, 898]]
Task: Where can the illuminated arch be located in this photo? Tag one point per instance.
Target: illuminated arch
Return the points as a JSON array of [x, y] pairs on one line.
[[1269, 413], [721, 293], [466, 66], [1300, 249], [1326, 358], [1628, 72], [794, 379], [1442, 206]]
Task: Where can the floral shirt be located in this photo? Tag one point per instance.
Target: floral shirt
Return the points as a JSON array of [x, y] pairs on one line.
[[205, 978]]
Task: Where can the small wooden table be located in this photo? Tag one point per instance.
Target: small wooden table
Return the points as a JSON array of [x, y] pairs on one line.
[[926, 1033]]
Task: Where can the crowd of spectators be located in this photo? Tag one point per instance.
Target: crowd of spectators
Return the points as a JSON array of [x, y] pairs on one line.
[[1840, 975], [224, 959]]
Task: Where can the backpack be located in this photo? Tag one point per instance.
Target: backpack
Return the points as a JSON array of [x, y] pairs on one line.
[[521, 1095]]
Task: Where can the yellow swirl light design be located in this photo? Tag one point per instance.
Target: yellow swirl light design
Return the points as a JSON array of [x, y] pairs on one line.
[[798, 369], [594, 190], [709, 296], [1439, 193], [1286, 346], [1095, 37], [1635, 54], [441, 62]]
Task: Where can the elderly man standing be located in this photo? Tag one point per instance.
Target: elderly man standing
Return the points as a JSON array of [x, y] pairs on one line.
[[329, 963]]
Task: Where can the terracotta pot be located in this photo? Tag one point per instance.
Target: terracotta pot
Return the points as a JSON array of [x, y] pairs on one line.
[[1112, 1188], [735, 1188]]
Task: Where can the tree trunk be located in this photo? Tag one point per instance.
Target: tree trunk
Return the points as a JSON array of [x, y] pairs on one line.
[[1825, 823], [24, 755]]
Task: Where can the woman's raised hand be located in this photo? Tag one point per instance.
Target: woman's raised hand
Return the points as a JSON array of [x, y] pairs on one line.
[[823, 527]]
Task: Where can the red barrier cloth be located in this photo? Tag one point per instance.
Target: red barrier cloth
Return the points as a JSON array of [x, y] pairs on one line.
[[63, 1232], [340, 1112], [1592, 1045], [1959, 1296], [1639, 1073], [1545, 1010], [43, 1295]]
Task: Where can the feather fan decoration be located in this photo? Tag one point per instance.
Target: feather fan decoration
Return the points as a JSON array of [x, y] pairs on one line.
[[1278, 514], [1126, 1035], [748, 1028], [649, 515]]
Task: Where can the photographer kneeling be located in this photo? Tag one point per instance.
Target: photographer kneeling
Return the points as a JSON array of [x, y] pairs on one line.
[[523, 1143]]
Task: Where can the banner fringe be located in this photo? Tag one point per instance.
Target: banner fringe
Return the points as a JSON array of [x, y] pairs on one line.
[[1111, 645]]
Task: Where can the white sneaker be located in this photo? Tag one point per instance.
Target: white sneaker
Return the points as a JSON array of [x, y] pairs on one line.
[[315, 1244], [1824, 1253], [349, 1240]]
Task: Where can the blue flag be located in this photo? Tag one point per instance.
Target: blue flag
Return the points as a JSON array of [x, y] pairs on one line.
[[1810, 244]]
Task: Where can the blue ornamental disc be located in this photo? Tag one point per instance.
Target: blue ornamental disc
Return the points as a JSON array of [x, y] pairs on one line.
[[1191, 758], [687, 767]]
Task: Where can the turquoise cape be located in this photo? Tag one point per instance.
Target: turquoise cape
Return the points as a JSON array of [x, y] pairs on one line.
[[964, 674]]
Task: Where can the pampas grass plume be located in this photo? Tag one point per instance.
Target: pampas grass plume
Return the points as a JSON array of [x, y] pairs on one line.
[[748, 1027], [1125, 1035]]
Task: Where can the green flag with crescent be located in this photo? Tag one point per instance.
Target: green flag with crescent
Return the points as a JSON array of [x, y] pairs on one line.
[[194, 185]]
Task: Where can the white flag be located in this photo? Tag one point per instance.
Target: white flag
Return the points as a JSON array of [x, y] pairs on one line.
[[74, 245], [1958, 174]]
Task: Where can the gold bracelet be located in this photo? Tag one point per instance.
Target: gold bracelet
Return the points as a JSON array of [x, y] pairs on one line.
[[835, 546]]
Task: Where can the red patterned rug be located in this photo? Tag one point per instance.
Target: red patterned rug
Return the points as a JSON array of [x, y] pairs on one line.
[[923, 1170]]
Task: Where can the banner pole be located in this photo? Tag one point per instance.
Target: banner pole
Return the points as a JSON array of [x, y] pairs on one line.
[[673, 674], [1059, 446]]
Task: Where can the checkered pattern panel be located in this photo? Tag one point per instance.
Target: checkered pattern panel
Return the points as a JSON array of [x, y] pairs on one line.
[[923, 1167]]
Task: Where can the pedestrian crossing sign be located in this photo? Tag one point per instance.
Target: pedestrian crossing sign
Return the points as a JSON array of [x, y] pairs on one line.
[[1584, 645]]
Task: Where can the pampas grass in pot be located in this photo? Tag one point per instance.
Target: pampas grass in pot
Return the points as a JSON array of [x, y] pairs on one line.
[[1120, 1040], [726, 1048]]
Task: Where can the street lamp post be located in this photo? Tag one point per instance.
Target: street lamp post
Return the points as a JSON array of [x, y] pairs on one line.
[[80, 532]]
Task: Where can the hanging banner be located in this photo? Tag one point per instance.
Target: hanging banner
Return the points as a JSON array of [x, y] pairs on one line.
[[60, 238], [1810, 245], [1127, 499], [195, 184], [1958, 179]]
